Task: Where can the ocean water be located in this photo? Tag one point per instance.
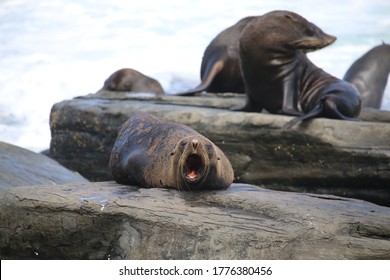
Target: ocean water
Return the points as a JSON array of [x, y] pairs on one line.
[[52, 50]]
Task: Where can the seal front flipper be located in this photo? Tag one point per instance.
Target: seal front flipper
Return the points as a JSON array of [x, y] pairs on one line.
[[335, 106], [220, 68], [127, 166], [214, 67], [315, 112]]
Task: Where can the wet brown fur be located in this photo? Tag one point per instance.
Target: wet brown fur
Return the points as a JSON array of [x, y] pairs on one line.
[[131, 80], [280, 78], [152, 152]]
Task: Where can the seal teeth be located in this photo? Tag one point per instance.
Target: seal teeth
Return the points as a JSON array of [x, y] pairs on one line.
[[193, 166]]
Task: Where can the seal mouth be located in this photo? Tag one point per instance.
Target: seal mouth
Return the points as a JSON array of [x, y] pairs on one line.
[[193, 167]]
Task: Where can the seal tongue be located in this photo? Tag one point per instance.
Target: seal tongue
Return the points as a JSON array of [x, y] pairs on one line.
[[194, 163], [192, 174]]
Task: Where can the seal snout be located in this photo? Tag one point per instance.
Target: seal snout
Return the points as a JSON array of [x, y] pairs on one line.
[[195, 143], [330, 39], [314, 42], [327, 39]]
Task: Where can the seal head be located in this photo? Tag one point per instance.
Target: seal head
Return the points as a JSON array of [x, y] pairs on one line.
[[193, 160]]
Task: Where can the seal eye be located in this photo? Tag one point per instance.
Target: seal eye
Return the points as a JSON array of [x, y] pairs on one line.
[[209, 149], [182, 145], [310, 32]]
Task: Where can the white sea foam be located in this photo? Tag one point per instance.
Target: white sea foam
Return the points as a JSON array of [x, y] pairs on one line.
[[53, 50]]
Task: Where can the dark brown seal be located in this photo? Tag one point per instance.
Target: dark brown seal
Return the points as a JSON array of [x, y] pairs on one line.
[[369, 74], [279, 76], [128, 79], [152, 152], [220, 69]]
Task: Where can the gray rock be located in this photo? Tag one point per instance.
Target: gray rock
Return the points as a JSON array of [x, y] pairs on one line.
[[21, 167], [106, 220], [337, 157], [374, 115]]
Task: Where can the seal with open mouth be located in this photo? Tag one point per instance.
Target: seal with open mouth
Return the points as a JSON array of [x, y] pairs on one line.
[[152, 152]]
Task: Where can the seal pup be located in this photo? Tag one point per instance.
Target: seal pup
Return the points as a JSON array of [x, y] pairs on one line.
[[369, 74], [127, 79], [220, 69], [152, 152], [279, 77]]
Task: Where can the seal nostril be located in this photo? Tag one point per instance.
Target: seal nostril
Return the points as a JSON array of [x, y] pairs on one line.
[[195, 143]]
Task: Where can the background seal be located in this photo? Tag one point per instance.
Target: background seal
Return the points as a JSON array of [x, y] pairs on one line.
[[369, 74], [280, 78], [127, 79], [220, 69]]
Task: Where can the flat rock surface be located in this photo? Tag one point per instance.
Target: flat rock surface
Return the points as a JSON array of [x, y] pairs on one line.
[[343, 158], [106, 220], [21, 167]]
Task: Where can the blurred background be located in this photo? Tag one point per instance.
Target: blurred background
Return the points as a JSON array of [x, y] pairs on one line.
[[52, 50]]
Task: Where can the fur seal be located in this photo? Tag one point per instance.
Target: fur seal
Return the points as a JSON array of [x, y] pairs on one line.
[[369, 74], [128, 79], [279, 77], [220, 69], [152, 152]]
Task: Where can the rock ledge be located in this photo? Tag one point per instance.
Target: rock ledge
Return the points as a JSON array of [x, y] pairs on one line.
[[106, 220]]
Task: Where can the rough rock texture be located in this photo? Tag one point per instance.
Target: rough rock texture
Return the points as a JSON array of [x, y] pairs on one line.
[[21, 167], [106, 220], [321, 156]]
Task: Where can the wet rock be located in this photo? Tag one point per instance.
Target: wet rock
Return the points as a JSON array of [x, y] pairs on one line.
[[326, 156], [106, 220], [21, 167]]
